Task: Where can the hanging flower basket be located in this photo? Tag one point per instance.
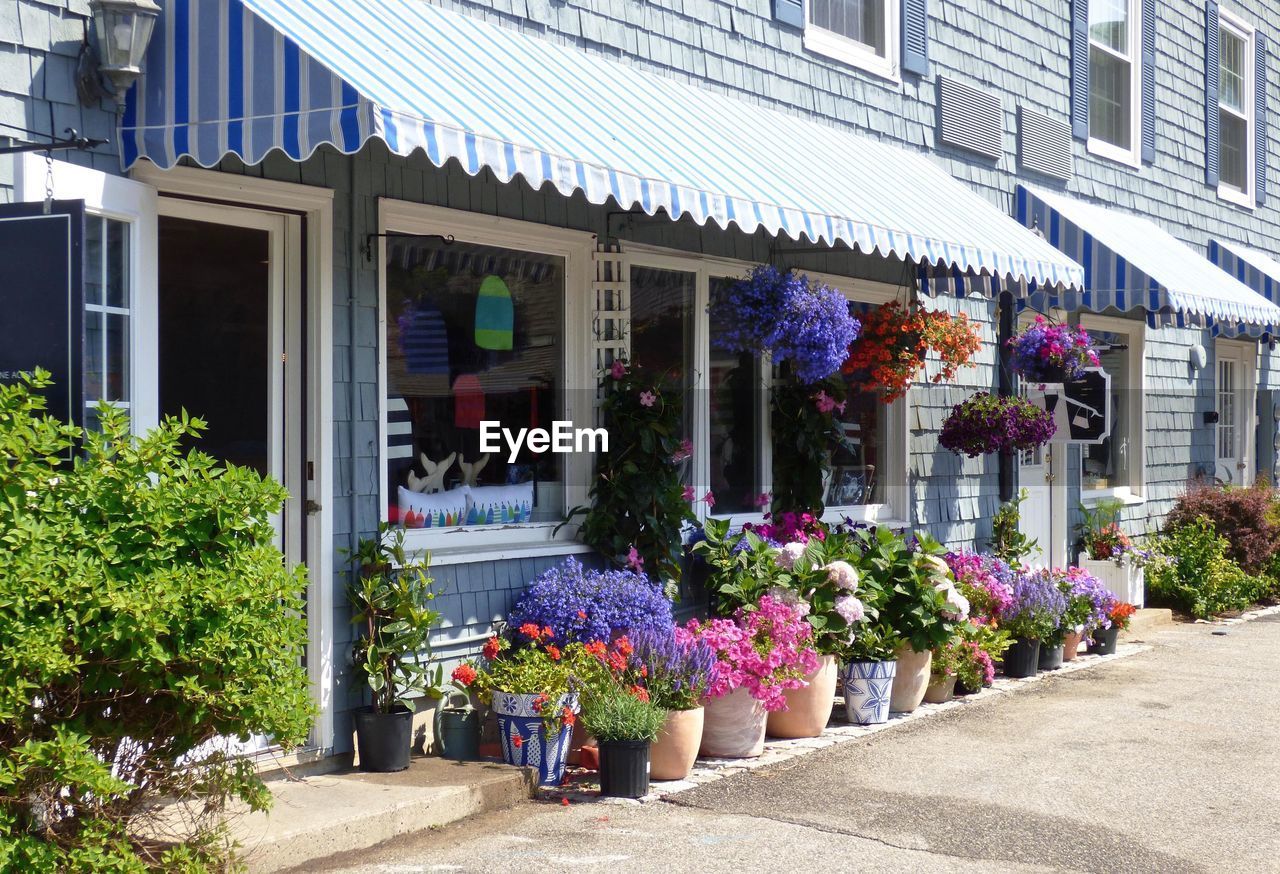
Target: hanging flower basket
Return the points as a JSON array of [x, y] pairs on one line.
[[895, 340], [1047, 353], [797, 320], [986, 423]]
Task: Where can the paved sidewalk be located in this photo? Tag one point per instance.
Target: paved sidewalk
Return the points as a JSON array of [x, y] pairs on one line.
[[1165, 761]]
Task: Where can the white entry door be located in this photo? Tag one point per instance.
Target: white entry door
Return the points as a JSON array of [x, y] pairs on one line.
[[1235, 393], [1035, 478]]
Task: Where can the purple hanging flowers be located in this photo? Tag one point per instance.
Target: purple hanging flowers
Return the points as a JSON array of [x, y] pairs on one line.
[[797, 319], [1051, 353], [986, 423]]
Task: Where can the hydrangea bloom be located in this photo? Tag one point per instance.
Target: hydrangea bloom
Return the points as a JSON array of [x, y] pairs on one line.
[[585, 605], [842, 574], [765, 651], [788, 555], [797, 319], [850, 608], [985, 580]]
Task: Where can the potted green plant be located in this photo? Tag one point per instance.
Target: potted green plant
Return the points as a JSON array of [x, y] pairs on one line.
[[624, 723], [390, 601], [678, 669]]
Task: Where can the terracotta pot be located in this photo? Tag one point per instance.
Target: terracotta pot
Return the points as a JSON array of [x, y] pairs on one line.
[[911, 680], [809, 707], [1071, 645], [580, 739], [672, 755], [941, 690], [733, 726]]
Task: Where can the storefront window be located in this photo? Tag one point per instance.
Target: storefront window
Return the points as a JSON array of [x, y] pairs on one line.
[[737, 408], [858, 463], [662, 306], [1106, 465], [106, 316], [474, 334]]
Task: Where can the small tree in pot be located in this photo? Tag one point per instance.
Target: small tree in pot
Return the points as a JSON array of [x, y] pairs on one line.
[[624, 723], [390, 600]]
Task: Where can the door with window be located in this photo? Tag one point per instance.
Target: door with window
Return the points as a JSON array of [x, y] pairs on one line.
[[1235, 390], [230, 345], [1035, 520]]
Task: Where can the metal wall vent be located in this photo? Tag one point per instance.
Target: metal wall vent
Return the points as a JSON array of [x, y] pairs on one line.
[[970, 119], [1044, 144]]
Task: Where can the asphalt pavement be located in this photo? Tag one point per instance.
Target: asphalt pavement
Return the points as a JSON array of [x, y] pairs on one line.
[[1167, 761]]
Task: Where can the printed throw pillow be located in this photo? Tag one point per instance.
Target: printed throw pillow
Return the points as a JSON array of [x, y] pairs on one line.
[[440, 510]]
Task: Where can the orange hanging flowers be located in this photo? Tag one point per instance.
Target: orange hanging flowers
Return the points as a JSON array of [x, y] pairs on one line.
[[894, 342]]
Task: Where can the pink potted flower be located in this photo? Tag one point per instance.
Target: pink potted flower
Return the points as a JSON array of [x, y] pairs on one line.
[[761, 653]]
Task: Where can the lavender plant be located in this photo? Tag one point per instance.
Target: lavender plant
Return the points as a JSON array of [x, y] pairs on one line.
[[679, 667], [1038, 607]]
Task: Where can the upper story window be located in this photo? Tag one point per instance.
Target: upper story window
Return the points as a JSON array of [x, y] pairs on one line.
[[863, 33], [1115, 79], [1236, 89]]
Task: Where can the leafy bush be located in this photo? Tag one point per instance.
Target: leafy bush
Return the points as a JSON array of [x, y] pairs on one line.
[[620, 715], [588, 605], [146, 619], [1250, 517], [1194, 572]]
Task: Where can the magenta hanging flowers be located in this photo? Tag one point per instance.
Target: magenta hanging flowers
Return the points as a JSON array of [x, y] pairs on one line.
[[1045, 352], [986, 423]]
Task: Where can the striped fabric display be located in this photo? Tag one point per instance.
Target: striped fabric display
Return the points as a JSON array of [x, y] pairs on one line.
[[399, 428], [424, 340], [249, 76], [1130, 263]]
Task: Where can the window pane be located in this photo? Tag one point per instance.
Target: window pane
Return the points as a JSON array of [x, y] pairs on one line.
[[117, 273], [1106, 465], [474, 334], [1231, 70], [1109, 92], [93, 259], [117, 371], [858, 464], [94, 357], [1233, 165], [662, 304], [862, 21], [1109, 24], [737, 409], [1226, 410]]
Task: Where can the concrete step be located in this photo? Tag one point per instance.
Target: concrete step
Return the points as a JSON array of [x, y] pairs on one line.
[[319, 816], [1146, 620]]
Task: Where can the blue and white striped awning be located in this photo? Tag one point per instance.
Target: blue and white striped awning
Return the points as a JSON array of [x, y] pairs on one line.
[[251, 76], [1132, 263], [1255, 269]]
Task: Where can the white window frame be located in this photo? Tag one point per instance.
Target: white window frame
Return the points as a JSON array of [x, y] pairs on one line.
[[849, 51], [1133, 155], [485, 543], [134, 203], [894, 510], [1134, 492], [1248, 34], [1247, 353]]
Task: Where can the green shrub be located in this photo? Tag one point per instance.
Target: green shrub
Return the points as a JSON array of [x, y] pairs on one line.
[[1249, 517], [1195, 574], [145, 618]]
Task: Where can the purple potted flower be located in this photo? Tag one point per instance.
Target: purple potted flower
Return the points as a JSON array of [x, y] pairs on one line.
[[1035, 616], [987, 423], [584, 605], [1045, 352], [677, 669]]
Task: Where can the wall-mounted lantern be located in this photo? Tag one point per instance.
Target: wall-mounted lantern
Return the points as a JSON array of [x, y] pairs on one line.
[[122, 30]]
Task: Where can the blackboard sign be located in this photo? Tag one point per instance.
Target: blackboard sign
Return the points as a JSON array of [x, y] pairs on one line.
[[42, 299], [1082, 410]]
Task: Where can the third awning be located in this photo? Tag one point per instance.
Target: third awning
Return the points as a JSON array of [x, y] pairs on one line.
[[251, 76]]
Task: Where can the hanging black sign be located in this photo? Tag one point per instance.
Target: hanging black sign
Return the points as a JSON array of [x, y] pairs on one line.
[[42, 299], [1082, 410]]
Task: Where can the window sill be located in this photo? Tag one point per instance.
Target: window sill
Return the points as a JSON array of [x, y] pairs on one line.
[[1103, 149], [1124, 495], [855, 54], [496, 543], [1236, 196]]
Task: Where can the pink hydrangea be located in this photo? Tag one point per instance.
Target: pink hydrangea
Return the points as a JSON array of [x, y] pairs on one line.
[[788, 555], [850, 608], [766, 651]]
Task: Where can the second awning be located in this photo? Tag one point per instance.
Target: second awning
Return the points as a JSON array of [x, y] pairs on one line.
[[250, 76]]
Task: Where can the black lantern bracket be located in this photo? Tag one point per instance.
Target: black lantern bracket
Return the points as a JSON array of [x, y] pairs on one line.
[[447, 239], [72, 140]]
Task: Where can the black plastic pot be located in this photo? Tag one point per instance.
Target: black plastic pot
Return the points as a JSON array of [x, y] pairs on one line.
[[383, 739], [1050, 657], [1022, 658], [1104, 641], [962, 689], [624, 768]]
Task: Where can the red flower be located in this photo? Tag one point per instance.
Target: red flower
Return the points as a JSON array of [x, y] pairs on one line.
[[595, 648], [582, 614], [617, 661], [554, 652], [464, 674], [517, 741], [530, 631], [491, 648], [548, 632], [623, 645], [644, 670], [640, 693], [564, 802], [568, 716], [540, 702]]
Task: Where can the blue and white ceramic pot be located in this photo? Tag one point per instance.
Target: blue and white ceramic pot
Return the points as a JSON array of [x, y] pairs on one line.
[[529, 739], [868, 687]]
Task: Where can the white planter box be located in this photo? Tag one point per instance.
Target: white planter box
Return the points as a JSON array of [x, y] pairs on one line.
[[1124, 580]]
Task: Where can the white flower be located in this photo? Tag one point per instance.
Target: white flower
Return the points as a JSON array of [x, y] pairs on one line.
[[787, 556], [791, 599], [958, 603], [850, 608], [842, 574], [31, 494], [937, 567]]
